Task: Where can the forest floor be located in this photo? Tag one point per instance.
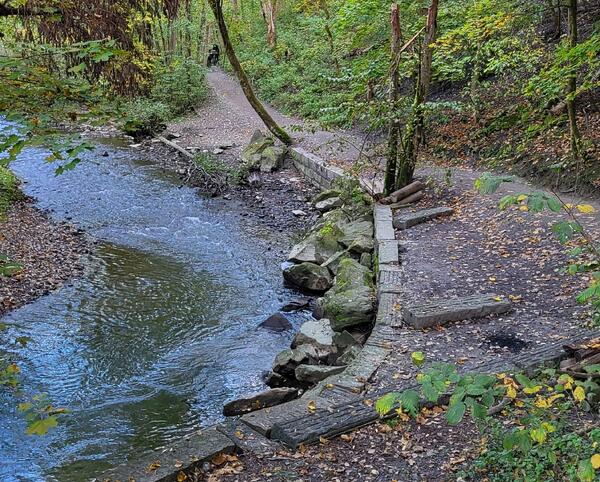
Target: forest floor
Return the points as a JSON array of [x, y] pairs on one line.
[[478, 249]]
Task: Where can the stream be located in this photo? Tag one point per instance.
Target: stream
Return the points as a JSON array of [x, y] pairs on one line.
[[160, 331]]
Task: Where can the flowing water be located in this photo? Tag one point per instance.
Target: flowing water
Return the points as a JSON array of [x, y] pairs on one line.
[[159, 332]]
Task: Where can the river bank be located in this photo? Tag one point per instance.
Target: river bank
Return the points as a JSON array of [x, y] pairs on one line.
[[50, 253]]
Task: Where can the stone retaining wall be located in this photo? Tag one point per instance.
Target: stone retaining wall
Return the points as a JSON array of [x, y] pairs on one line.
[[314, 168]]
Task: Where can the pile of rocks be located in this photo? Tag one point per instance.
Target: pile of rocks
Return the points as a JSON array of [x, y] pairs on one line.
[[334, 260]]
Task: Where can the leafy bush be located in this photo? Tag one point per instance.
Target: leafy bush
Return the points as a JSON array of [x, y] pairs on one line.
[[145, 117], [181, 85], [178, 88], [8, 189]]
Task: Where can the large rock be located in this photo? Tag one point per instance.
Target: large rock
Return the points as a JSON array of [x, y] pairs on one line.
[[351, 300], [344, 339], [361, 228], [258, 401], [272, 158], [286, 361], [297, 304], [362, 244], [316, 373], [349, 355], [308, 276], [329, 204], [262, 154], [349, 308], [324, 195], [276, 322], [333, 263], [317, 248], [314, 332]]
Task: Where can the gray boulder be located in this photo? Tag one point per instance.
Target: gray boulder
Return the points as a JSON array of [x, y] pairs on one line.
[[272, 158], [324, 195], [354, 230], [351, 300], [349, 355], [276, 322], [344, 339], [317, 248], [366, 259], [333, 263], [362, 244], [315, 373], [329, 204], [308, 276], [286, 361], [319, 335], [349, 308], [265, 399], [275, 380]]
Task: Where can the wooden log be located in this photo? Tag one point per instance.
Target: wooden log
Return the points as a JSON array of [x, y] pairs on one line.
[[407, 201], [404, 192], [176, 147]]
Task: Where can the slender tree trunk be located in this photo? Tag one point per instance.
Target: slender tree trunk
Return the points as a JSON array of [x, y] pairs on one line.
[[269, 12], [572, 82], [217, 8], [394, 132], [329, 33], [414, 132]]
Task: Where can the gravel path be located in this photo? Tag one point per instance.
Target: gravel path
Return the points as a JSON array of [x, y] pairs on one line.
[[227, 117]]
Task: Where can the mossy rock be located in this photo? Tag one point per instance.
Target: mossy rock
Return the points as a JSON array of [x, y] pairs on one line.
[[349, 308], [308, 276], [322, 196]]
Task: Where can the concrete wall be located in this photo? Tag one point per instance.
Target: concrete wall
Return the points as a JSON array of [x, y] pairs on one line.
[[314, 169]]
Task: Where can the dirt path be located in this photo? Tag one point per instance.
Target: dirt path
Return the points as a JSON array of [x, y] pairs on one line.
[[227, 117]]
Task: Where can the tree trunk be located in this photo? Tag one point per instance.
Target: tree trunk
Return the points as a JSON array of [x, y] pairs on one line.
[[329, 33], [269, 12], [572, 82], [413, 134], [217, 8], [394, 130]]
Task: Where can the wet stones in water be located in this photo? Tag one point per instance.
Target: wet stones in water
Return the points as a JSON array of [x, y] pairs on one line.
[[507, 340], [268, 398], [297, 304], [276, 322]]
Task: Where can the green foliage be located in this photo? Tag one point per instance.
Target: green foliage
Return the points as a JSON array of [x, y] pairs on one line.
[[40, 415], [8, 267], [9, 191], [181, 85], [145, 117], [178, 88]]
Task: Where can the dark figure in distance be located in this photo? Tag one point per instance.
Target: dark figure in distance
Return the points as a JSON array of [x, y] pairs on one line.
[[213, 56]]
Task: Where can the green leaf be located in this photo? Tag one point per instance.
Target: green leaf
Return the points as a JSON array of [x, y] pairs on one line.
[[475, 390], [565, 230], [41, 426], [585, 471], [409, 401], [554, 204], [535, 202], [489, 184], [456, 413], [592, 368], [507, 201], [430, 392], [418, 358], [479, 411], [386, 403]]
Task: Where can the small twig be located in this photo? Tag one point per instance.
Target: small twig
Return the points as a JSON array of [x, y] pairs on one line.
[[499, 407]]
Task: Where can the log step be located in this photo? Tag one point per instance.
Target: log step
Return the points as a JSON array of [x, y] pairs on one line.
[[407, 220], [440, 312], [324, 423]]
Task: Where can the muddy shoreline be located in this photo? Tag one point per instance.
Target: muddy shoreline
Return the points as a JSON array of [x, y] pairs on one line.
[[50, 252]]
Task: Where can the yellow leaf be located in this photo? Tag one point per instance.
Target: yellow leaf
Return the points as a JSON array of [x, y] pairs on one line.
[[523, 208], [548, 427], [579, 394], [312, 406], [538, 435], [596, 461], [181, 477], [511, 392], [521, 198], [586, 208], [541, 402], [153, 466], [532, 390]]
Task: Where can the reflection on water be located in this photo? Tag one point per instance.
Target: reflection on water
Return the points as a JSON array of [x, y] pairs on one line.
[[154, 338]]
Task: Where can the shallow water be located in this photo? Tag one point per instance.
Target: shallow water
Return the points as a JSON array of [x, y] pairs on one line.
[[160, 331]]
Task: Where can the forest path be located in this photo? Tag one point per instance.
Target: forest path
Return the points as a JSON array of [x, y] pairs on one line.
[[227, 117]]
